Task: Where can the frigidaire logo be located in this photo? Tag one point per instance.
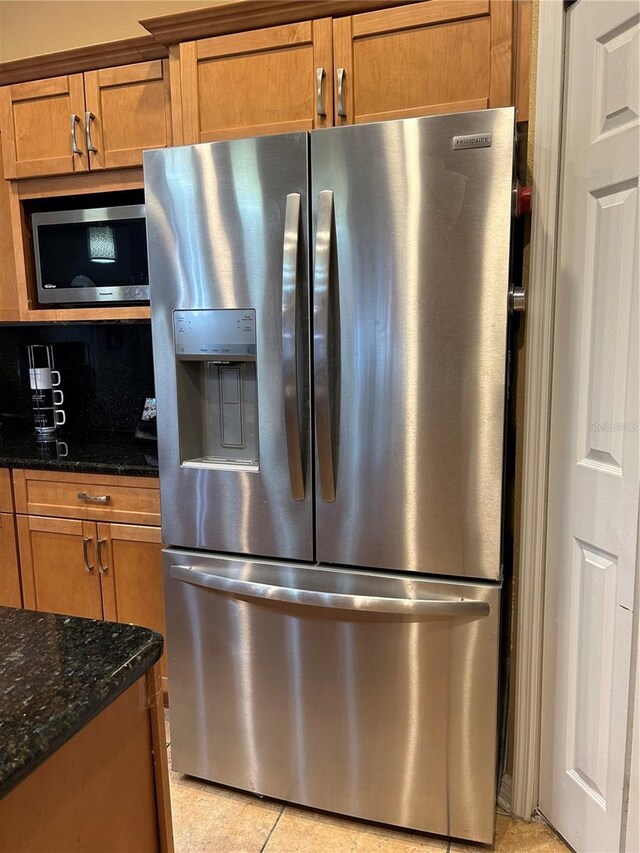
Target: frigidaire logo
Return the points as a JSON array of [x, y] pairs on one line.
[[472, 140]]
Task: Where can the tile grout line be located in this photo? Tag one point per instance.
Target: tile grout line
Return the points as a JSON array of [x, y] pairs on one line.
[[271, 831]]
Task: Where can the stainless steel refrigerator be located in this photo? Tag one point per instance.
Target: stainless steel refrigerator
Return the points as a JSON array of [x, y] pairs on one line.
[[330, 316]]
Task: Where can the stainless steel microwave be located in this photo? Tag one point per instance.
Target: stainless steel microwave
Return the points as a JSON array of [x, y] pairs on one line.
[[95, 255]]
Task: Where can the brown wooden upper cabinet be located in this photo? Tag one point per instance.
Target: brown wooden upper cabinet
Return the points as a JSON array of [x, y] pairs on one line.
[[85, 122], [427, 58], [273, 80]]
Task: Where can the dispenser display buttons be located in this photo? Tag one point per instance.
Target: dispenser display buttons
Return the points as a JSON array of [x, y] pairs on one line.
[[228, 333]]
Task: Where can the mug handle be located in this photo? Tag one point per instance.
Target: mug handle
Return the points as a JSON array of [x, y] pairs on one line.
[[55, 382], [61, 400], [62, 415], [62, 448]]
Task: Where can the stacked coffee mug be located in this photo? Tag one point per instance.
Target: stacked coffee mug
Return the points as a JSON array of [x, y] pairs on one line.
[[46, 396]]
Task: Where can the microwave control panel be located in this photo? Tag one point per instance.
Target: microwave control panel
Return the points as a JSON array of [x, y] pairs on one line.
[[224, 334]]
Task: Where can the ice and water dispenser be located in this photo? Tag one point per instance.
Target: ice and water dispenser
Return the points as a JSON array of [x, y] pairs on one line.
[[217, 390]]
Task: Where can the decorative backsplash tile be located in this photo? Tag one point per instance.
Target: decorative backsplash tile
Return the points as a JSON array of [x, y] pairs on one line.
[[106, 372]]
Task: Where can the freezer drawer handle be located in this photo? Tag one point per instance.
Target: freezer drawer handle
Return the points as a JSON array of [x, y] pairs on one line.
[[333, 600], [322, 274], [289, 344]]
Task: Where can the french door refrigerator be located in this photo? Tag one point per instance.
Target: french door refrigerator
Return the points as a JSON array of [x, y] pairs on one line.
[[329, 317]]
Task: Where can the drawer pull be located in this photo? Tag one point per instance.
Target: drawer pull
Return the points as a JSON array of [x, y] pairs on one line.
[[85, 551], [101, 566], [94, 499]]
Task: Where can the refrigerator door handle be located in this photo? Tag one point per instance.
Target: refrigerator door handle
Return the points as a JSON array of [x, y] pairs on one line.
[[321, 282], [439, 607], [289, 344]]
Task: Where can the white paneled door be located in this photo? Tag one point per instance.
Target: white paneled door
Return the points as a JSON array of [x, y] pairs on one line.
[[594, 456]]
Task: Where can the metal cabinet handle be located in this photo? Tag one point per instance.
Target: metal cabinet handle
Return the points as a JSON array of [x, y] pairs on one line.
[[289, 344], [86, 540], [72, 132], [438, 607], [87, 132], [320, 75], [101, 566], [341, 72], [95, 499], [321, 281]]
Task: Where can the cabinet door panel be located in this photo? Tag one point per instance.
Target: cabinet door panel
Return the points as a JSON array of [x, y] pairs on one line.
[[10, 594], [54, 575], [36, 124], [255, 83], [131, 113], [428, 58], [132, 582], [9, 305]]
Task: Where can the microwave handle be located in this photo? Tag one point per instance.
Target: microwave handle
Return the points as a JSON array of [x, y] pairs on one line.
[[72, 133]]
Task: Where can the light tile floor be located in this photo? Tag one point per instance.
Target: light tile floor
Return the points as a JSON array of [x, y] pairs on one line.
[[211, 819]]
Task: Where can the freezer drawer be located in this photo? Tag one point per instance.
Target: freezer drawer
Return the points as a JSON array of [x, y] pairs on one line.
[[365, 694]]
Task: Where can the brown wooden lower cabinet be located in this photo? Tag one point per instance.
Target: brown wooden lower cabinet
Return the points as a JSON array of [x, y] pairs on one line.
[[100, 570], [132, 589], [57, 558], [105, 789], [10, 595]]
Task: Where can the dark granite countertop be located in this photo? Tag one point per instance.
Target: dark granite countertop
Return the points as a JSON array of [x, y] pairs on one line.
[[88, 452], [56, 674]]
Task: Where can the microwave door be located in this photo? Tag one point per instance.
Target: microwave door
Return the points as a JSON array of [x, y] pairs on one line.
[[92, 255]]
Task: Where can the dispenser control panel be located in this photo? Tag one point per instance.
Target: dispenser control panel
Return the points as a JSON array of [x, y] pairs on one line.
[[224, 334]]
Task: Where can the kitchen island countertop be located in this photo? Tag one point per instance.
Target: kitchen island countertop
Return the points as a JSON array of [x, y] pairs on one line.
[[56, 674]]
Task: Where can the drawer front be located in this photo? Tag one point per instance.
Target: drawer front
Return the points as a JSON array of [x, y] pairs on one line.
[[97, 498], [371, 695]]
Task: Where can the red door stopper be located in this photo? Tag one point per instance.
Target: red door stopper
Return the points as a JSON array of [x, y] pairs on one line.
[[523, 200]]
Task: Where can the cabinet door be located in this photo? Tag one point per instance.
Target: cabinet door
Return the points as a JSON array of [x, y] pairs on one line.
[[130, 563], [127, 112], [58, 564], [10, 595], [9, 305], [42, 122], [428, 58], [273, 80]]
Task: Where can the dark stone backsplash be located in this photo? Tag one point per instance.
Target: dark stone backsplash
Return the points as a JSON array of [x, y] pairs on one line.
[[106, 371]]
